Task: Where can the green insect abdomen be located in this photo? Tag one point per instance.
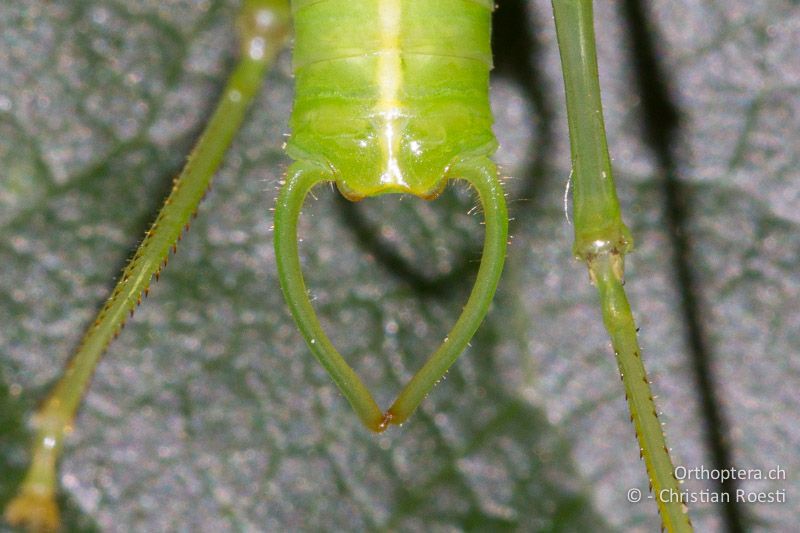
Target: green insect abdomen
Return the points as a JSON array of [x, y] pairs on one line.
[[390, 93]]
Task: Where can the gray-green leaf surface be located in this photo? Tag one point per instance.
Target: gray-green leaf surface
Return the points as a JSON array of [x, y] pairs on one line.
[[209, 413]]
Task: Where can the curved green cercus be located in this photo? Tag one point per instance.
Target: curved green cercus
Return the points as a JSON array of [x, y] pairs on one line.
[[602, 239], [264, 27], [481, 173], [301, 178]]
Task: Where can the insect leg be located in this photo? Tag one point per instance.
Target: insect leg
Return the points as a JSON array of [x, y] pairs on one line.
[[263, 29], [601, 240], [301, 178], [481, 173]]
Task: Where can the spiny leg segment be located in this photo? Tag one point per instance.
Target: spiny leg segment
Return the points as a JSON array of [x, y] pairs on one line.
[[601, 240], [263, 27], [481, 173]]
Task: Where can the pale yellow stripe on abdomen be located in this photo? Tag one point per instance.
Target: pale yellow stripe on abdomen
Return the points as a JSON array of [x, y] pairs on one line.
[[389, 79]]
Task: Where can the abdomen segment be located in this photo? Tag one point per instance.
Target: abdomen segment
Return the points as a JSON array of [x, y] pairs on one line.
[[391, 92]]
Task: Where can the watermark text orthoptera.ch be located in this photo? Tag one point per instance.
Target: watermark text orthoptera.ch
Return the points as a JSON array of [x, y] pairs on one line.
[[690, 496], [724, 474]]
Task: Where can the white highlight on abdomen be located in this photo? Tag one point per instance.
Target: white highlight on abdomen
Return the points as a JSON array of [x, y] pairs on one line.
[[390, 79]]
